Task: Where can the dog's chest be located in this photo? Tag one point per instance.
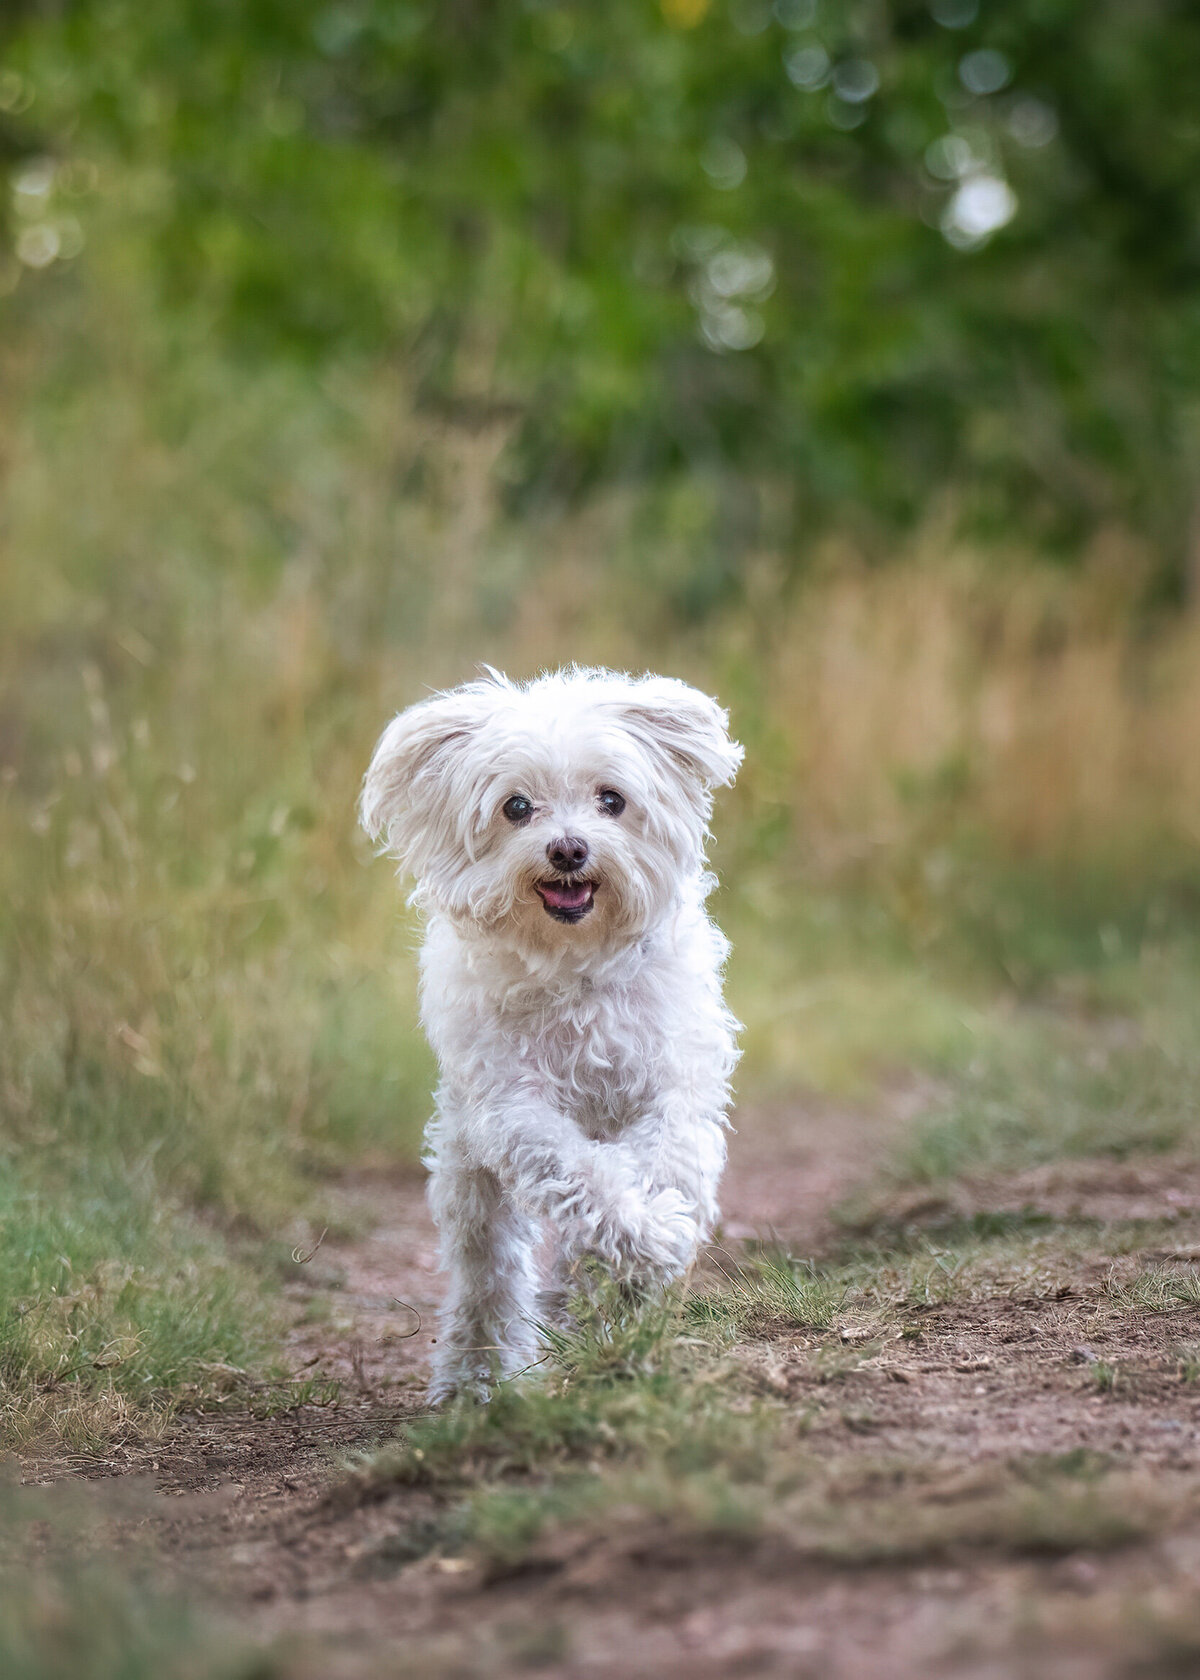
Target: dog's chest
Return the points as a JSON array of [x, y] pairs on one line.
[[595, 1058]]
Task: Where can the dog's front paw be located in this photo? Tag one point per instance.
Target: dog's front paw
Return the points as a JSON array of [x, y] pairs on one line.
[[670, 1233], [446, 1386], [648, 1237]]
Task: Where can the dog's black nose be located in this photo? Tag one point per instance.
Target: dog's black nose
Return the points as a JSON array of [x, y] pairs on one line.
[[567, 854]]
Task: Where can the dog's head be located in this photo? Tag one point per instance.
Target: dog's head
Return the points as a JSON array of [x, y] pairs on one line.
[[573, 808]]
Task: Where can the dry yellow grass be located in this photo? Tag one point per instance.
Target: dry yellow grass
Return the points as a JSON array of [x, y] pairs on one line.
[[1008, 693]]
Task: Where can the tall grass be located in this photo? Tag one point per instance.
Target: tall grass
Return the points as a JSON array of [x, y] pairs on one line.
[[1041, 709]]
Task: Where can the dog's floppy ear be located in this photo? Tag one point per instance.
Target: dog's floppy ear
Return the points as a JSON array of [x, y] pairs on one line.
[[686, 728], [408, 797]]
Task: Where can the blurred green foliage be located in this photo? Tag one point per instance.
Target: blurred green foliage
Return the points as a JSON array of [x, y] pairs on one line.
[[828, 260]]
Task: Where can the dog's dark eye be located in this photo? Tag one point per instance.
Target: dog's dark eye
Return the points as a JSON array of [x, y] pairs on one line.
[[518, 809], [611, 801]]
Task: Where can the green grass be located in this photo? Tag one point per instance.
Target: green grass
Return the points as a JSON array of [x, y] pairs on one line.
[[1105, 1376], [115, 1303], [90, 1626], [1189, 1363], [86, 1621], [677, 1417], [986, 976], [1116, 1080], [1157, 1289], [766, 1291], [79, 1597], [1051, 1108]]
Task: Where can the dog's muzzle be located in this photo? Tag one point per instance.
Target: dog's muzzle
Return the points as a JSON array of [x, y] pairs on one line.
[[567, 901]]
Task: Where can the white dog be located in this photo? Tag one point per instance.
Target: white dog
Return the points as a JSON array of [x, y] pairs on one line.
[[570, 984]]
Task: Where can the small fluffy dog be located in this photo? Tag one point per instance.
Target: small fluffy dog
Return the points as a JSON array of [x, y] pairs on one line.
[[570, 985]]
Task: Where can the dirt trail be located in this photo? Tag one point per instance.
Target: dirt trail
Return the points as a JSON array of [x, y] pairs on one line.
[[239, 1503]]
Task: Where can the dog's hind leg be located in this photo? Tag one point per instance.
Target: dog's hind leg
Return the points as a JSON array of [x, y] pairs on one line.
[[486, 1326]]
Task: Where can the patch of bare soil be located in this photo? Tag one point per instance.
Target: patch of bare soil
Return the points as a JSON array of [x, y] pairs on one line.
[[241, 1503], [994, 1380], [789, 1167], [1150, 1188]]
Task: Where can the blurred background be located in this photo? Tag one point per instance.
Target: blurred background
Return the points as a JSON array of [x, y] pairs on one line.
[[843, 359]]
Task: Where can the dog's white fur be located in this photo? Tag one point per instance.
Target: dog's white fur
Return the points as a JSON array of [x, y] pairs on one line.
[[585, 1066]]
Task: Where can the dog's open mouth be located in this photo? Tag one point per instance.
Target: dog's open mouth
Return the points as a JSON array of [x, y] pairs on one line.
[[567, 901]]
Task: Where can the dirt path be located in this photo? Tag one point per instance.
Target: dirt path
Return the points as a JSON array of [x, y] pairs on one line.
[[240, 1503]]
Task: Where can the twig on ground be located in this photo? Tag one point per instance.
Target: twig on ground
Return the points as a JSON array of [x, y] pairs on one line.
[[298, 1254]]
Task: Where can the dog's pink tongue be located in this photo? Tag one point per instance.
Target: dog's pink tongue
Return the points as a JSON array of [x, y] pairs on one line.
[[565, 897]]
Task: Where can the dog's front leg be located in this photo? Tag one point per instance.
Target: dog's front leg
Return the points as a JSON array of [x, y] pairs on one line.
[[591, 1194], [486, 1325], [679, 1150]]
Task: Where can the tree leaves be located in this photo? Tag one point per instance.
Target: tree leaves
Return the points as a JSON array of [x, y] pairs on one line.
[[873, 252]]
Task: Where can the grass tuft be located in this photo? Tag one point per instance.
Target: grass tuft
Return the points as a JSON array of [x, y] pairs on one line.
[[1155, 1289], [764, 1292]]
